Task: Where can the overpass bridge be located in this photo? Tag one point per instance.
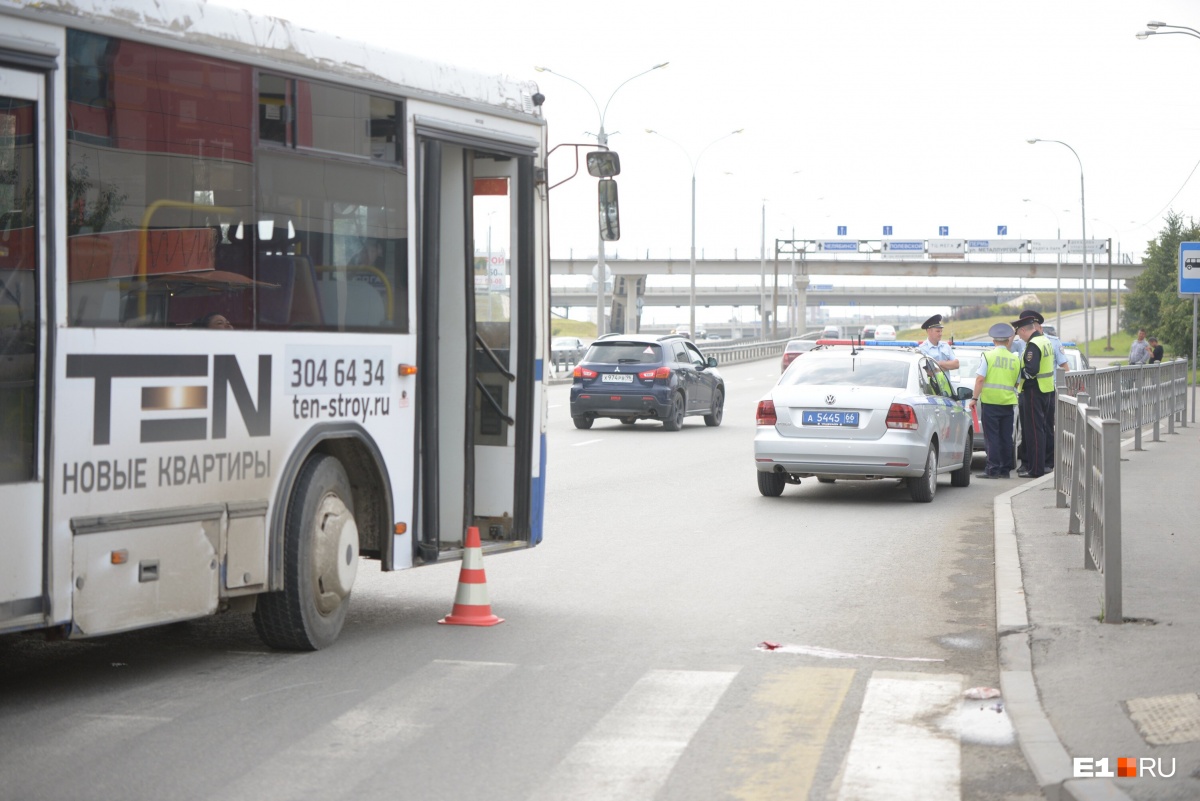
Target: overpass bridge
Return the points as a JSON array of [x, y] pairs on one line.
[[831, 296], [630, 277]]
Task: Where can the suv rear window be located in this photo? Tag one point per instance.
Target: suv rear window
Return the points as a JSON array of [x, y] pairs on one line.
[[854, 371], [624, 353]]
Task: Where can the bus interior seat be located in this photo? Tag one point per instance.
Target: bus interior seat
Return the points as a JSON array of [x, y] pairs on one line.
[[364, 305], [293, 298]]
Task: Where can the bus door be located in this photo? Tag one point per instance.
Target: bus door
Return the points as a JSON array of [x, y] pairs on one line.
[[478, 342], [23, 260]]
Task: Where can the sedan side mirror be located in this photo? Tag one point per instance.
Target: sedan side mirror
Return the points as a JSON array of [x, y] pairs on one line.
[[965, 393], [712, 361]]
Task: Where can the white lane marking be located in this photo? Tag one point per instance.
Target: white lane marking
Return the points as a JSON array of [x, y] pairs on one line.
[[829, 653], [333, 755], [631, 751], [906, 744], [586, 442]]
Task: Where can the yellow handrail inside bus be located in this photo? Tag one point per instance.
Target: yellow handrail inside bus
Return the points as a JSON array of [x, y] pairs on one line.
[[144, 237], [365, 268]]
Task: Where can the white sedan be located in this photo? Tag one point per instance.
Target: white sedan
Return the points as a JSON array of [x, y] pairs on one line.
[[859, 413]]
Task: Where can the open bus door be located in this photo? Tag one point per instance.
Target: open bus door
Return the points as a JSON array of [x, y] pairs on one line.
[[24, 257], [477, 329]]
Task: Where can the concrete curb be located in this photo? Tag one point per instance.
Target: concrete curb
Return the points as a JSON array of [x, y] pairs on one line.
[[1044, 752]]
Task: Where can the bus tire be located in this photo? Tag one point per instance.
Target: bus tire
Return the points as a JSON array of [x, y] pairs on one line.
[[320, 560]]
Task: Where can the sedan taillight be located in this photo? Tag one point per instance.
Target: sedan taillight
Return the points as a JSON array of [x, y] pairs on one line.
[[583, 372], [765, 416], [650, 375], [901, 415]]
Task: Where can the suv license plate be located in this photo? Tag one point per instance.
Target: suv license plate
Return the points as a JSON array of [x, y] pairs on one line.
[[830, 419], [617, 378]]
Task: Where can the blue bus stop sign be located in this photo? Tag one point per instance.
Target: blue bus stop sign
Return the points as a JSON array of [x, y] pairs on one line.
[[1189, 268]]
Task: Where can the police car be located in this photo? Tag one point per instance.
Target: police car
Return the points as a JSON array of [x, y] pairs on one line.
[[861, 411]]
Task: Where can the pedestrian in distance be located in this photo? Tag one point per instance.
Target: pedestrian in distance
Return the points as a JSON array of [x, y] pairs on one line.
[[1139, 351], [996, 394], [1037, 393], [1156, 350]]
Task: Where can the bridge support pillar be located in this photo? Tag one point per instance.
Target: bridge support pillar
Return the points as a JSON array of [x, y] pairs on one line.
[[801, 321], [626, 315]]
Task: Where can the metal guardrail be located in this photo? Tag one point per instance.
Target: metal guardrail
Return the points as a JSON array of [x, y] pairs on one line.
[[745, 351], [1092, 409], [1094, 467]]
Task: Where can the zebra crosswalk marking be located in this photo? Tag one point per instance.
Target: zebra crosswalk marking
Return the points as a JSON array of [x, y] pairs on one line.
[[906, 744], [630, 752], [796, 710], [396, 716]]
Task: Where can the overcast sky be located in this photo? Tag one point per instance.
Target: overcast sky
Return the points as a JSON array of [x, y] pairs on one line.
[[861, 113]]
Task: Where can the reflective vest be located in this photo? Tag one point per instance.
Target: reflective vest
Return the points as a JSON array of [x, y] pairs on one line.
[[944, 384], [1000, 383], [1045, 376]]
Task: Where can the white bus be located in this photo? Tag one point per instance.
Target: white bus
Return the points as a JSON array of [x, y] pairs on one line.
[[244, 336]]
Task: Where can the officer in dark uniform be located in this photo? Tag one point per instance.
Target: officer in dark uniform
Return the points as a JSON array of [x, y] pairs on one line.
[[1037, 392]]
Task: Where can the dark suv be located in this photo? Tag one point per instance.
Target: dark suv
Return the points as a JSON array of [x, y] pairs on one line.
[[633, 377]]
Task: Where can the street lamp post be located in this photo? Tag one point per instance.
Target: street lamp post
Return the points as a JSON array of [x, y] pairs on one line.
[[602, 141], [692, 263], [1057, 269], [1115, 230], [1154, 30], [1083, 225]]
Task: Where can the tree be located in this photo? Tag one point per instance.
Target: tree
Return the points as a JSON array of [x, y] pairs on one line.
[[1154, 303]]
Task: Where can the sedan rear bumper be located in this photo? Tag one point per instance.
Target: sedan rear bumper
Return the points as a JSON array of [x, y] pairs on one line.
[[897, 454]]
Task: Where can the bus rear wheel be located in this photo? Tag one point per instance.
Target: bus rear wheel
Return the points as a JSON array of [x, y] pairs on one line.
[[320, 557]]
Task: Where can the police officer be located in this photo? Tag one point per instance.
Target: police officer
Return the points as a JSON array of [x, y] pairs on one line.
[[1061, 363], [940, 353], [934, 348], [996, 391], [1037, 392]]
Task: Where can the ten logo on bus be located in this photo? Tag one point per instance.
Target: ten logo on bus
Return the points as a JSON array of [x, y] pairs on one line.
[[226, 378]]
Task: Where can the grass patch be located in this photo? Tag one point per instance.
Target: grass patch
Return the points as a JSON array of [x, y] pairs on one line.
[[572, 328]]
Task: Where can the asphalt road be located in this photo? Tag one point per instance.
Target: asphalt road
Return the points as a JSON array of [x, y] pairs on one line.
[[627, 666]]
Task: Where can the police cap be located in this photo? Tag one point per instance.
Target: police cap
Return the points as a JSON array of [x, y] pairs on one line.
[[933, 322], [1001, 331], [1037, 318]]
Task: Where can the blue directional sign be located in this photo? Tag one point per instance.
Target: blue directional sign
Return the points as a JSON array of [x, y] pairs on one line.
[[943, 230], [1001, 230], [887, 230], [1189, 268], [841, 230], [845, 246]]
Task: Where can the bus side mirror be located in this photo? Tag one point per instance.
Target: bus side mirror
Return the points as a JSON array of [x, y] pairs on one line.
[[610, 220], [603, 164]]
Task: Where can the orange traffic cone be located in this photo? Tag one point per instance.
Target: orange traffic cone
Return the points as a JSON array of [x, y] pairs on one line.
[[471, 607]]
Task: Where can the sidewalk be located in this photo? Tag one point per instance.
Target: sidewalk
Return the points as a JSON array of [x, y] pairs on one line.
[[1072, 685]]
